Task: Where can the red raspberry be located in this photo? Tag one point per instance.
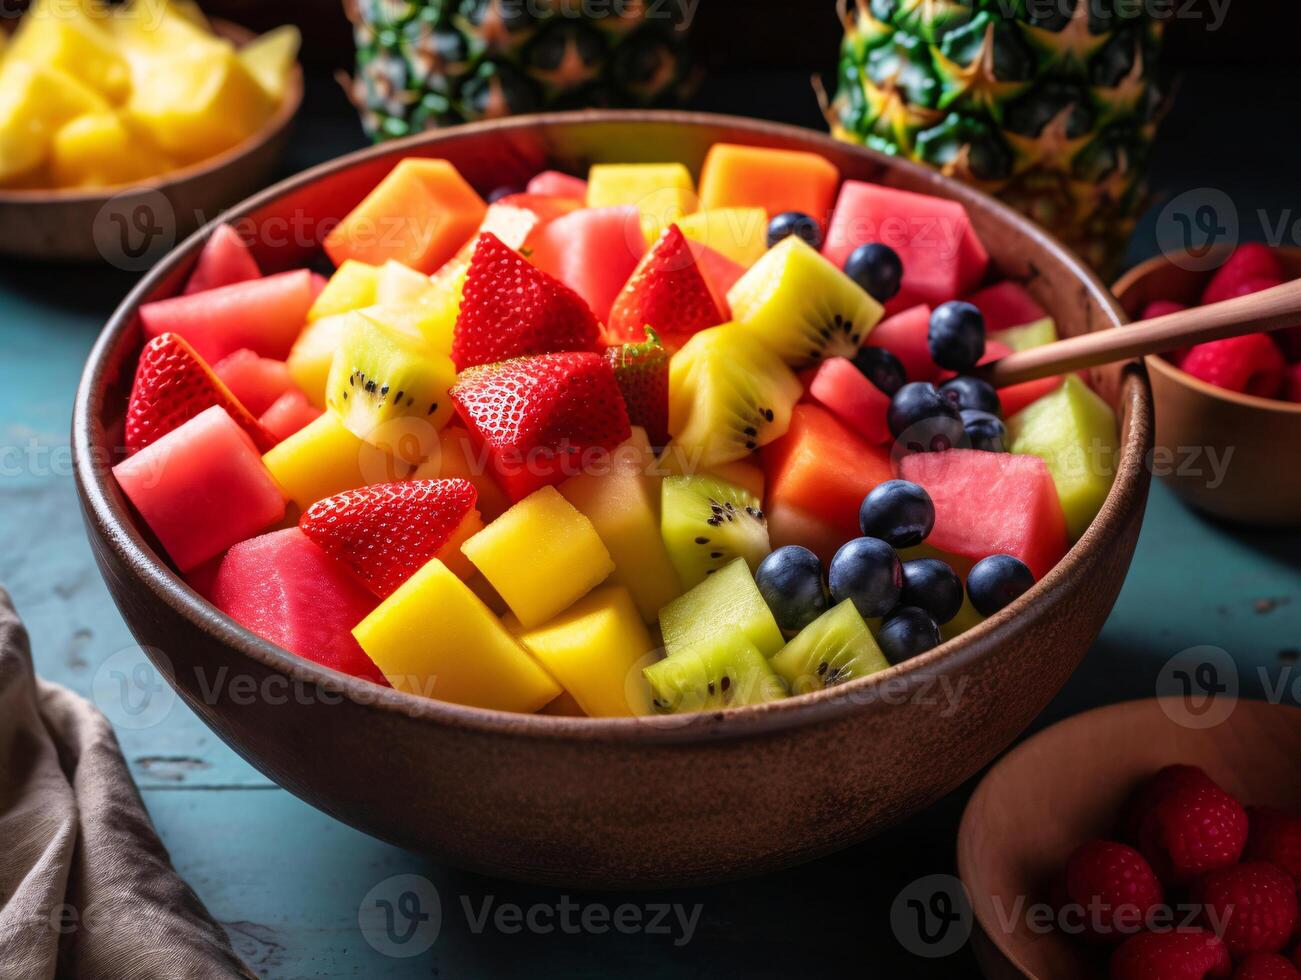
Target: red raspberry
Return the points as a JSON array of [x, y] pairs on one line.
[[1161, 307], [1183, 954], [1275, 836], [1249, 261], [1148, 794], [1266, 966], [1252, 364], [1186, 825], [1253, 907], [1296, 956], [1294, 382], [1114, 886]]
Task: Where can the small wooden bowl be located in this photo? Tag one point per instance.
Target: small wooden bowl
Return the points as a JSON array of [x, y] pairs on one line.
[[1068, 784], [1198, 423], [133, 225]]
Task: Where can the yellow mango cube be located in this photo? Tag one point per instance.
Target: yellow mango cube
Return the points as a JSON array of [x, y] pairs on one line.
[[662, 192], [271, 58], [434, 637], [98, 150], [324, 458], [541, 556], [313, 353], [63, 38], [595, 650], [740, 234], [35, 102], [354, 286]]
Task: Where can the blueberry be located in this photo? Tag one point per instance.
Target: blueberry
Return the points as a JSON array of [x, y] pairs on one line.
[[956, 336], [497, 194], [996, 582], [794, 223], [877, 269], [868, 571], [984, 431], [968, 392], [908, 632], [790, 581], [933, 587], [898, 512], [881, 368], [923, 419]]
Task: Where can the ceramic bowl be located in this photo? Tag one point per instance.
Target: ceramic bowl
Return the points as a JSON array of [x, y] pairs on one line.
[[129, 225], [610, 802], [1255, 441], [1068, 785]]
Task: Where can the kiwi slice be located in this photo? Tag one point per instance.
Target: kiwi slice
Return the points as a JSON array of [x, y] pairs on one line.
[[389, 387], [725, 603], [728, 395], [801, 306], [708, 522], [834, 648], [726, 671]]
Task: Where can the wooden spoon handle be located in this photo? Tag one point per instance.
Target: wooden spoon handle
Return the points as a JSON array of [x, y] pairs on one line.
[[1271, 309]]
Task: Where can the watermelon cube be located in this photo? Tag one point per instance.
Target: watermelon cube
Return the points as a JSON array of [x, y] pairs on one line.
[[285, 589], [991, 503], [720, 272], [552, 183], [845, 392], [592, 251], [201, 488], [1014, 398], [224, 261], [288, 414], [1005, 305], [942, 256], [904, 336], [256, 381]]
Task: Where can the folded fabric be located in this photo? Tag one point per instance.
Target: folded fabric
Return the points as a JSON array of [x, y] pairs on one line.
[[86, 887]]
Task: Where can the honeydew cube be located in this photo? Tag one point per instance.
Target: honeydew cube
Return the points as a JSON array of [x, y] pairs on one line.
[[354, 286], [64, 38], [34, 103], [323, 458], [271, 58], [434, 637], [740, 234], [661, 192], [726, 602], [98, 150], [1029, 335], [541, 556], [594, 649]]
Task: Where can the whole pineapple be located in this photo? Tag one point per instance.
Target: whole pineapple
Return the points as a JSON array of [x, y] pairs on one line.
[[428, 63], [1050, 105]]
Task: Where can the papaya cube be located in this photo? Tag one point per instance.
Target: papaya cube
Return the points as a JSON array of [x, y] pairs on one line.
[[323, 458], [776, 180], [68, 40], [34, 103], [201, 488], [541, 556], [354, 286], [594, 650], [738, 234], [434, 637], [419, 215], [662, 192]]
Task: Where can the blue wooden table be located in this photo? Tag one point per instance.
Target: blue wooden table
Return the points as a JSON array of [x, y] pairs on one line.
[[288, 882]]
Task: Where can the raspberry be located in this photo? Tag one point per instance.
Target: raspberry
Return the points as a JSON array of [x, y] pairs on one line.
[[1183, 954], [1160, 307], [1146, 797], [1249, 261], [1186, 825], [1253, 907], [1294, 383], [1252, 364], [1267, 966], [1275, 836], [1115, 887]]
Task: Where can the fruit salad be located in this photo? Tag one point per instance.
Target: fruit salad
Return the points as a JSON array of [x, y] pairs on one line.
[[623, 445], [93, 95]]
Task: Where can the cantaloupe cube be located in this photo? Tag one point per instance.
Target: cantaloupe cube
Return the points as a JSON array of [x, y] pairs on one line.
[[739, 234], [434, 637], [34, 103], [776, 180], [662, 192], [419, 215], [593, 649], [457, 458], [324, 458], [542, 556], [354, 286], [98, 150], [64, 38], [270, 59]]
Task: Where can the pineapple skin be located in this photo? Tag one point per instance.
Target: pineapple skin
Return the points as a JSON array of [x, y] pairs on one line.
[[423, 64], [1051, 107]]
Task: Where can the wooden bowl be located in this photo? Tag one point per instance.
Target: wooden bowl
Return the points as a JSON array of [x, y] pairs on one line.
[[1198, 423], [1068, 785], [133, 225], [611, 802]]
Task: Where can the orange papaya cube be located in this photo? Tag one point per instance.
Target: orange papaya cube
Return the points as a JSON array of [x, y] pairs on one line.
[[776, 180], [419, 215]]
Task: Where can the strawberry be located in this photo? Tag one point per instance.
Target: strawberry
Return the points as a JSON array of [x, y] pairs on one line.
[[540, 418], [1250, 260], [1114, 886], [668, 292], [1266, 966], [386, 532], [642, 372], [1181, 954], [1252, 364], [1252, 906], [509, 309], [1186, 825], [173, 384], [1275, 836]]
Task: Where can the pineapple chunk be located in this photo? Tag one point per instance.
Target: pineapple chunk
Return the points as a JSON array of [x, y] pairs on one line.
[[397, 283], [313, 354], [324, 458], [98, 150], [34, 103], [270, 59], [434, 637], [594, 650], [541, 556], [740, 234], [66, 39], [353, 286], [662, 192]]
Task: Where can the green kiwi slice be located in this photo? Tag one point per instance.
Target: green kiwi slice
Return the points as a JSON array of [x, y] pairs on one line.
[[707, 523], [726, 671], [834, 648], [726, 603]]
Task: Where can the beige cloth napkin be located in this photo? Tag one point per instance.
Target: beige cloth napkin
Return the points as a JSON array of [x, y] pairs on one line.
[[86, 887]]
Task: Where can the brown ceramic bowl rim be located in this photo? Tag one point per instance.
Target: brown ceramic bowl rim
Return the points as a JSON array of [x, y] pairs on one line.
[[286, 111], [1176, 374], [104, 505]]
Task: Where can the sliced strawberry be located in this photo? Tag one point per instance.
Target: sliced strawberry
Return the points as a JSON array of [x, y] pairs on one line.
[[642, 371], [387, 532], [173, 384], [540, 418], [511, 309], [668, 292]]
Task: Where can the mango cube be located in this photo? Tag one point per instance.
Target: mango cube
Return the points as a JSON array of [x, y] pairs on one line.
[[434, 637], [740, 234], [324, 458], [98, 150], [542, 556], [66, 39], [354, 286], [662, 192], [594, 650]]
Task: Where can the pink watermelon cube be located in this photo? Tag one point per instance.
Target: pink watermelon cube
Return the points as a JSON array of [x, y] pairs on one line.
[[991, 503], [552, 183], [942, 256], [904, 336], [845, 392], [1005, 305], [1013, 398], [225, 260], [719, 271], [285, 589], [593, 251], [201, 488], [256, 381], [264, 315], [288, 414]]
